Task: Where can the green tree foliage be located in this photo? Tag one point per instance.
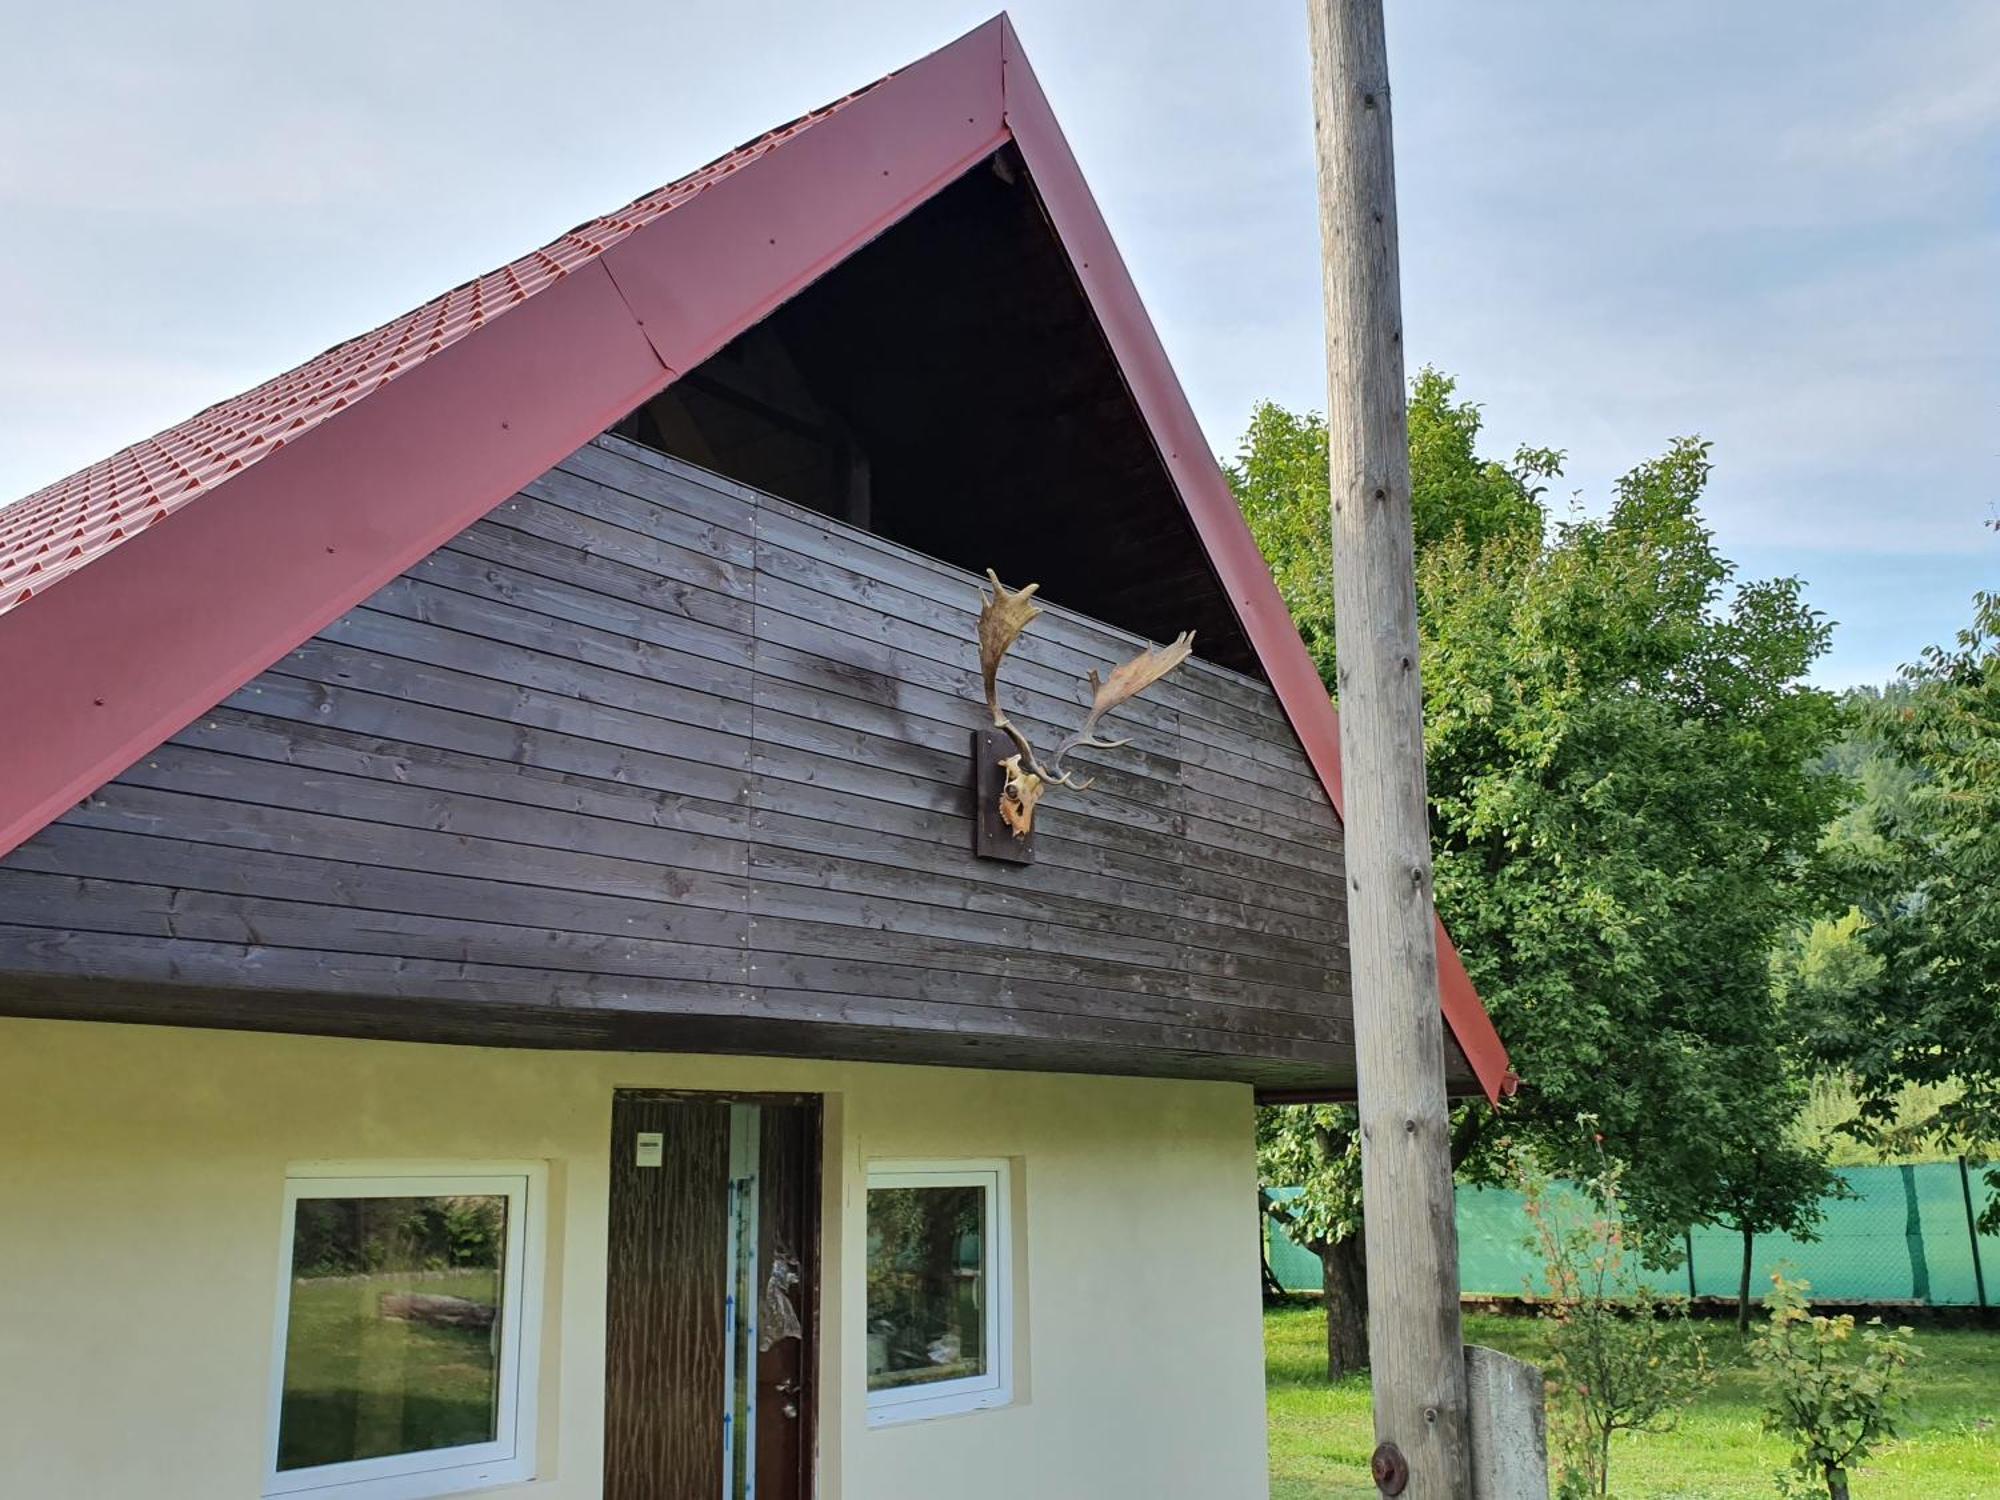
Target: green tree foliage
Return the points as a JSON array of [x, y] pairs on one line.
[[1761, 1174], [1280, 480], [1836, 1396], [1622, 1358], [1932, 856], [1626, 807], [1826, 966], [1626, 797], [1882, 783], [1313, 1151]]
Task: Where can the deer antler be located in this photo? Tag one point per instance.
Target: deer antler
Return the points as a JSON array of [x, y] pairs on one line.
[[1002, 618], [1125, 683]]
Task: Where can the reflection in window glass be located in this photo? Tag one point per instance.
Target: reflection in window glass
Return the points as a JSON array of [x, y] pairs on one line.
[[926, 1285], [393, 1340]]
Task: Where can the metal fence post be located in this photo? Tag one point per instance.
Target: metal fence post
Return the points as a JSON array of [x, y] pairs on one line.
[[1972, 1229], [1687, 1239], [1913, 1236]]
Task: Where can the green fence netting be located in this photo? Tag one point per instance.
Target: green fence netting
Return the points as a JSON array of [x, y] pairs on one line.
[[1904, 1236]]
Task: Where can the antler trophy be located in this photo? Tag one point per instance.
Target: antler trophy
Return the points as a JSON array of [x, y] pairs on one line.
[[1002, 618]]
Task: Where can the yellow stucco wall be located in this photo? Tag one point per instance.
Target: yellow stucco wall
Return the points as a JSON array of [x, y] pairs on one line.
[[141, 1179]]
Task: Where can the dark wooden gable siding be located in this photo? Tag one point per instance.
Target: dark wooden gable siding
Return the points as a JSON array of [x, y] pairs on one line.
[[648, 759]]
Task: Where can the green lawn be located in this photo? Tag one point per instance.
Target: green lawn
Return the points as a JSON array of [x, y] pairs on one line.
[[1320, 1435], [360, 1385]]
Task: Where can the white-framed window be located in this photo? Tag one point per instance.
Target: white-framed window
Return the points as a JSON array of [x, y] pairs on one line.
[[408, 1313], [940, 1317]]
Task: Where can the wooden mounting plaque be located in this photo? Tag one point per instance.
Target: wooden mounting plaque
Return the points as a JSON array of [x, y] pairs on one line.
[[991, 838]]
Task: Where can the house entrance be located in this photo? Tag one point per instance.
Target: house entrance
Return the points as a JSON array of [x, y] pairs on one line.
[[713, 1268]]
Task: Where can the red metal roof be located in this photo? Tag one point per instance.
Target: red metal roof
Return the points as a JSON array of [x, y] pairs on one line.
[[62, 526], [321, 486]]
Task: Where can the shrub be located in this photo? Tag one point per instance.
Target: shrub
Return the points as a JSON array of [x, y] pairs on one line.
[[1622, 1358], [1834, 1395]]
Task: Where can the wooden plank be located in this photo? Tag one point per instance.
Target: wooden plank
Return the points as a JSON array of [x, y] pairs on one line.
[[917, 905], [194, 772], [556, 619], [893, 707], [954, 985], [1001, 1024], [777, 929], [692, 586], [1284, 768], [790, 780], [618, 795], [950, 877], [602, 479], [587, 773], [883, 899], [1070, 866], [1075, 642], [276, 972], [1324, 864], [553, 516], [50, 900], [634, 687], [667, 481], [955, 655], [402, 725], [1325, 1072], [490, 895], [568, 585], [1263, 811], [1282, 761], [269, 974], [702, 517], [329, 663], [130, 808], [830, 750]]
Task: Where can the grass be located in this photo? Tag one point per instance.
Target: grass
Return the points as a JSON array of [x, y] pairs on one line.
[[359, 1385], [1321, 1437]]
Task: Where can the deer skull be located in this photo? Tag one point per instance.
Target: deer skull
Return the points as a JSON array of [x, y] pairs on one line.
[[1018, 797], [1002, 618]]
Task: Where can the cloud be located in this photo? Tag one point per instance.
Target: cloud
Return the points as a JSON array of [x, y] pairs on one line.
[[1772, 224]]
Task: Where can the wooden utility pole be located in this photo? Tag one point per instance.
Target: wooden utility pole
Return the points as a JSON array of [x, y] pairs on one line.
[[1414, 1341]]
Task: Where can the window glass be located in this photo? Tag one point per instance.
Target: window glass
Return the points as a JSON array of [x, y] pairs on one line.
[[393, 1338], [928, 1294]]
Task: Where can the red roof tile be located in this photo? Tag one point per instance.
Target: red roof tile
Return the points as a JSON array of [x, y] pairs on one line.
[[57, 529]]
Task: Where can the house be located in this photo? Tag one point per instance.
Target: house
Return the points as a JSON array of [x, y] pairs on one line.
[[499, 986]]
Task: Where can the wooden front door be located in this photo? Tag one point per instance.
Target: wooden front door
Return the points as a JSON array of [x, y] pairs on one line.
[[713, 1297]]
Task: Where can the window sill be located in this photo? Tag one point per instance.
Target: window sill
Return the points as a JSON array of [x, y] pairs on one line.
[[411, 1484], [901, 1413]]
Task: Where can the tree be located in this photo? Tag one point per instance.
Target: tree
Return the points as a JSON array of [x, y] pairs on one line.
[[1835, 1396], [1280, 480], [1315, 1149], [1622, 1358], [1932, 1017], [1626, 800], [1623, 756], [1749, 1167]]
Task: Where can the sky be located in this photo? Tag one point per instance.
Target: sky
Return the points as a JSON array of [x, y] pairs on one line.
[[1776, 225]]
